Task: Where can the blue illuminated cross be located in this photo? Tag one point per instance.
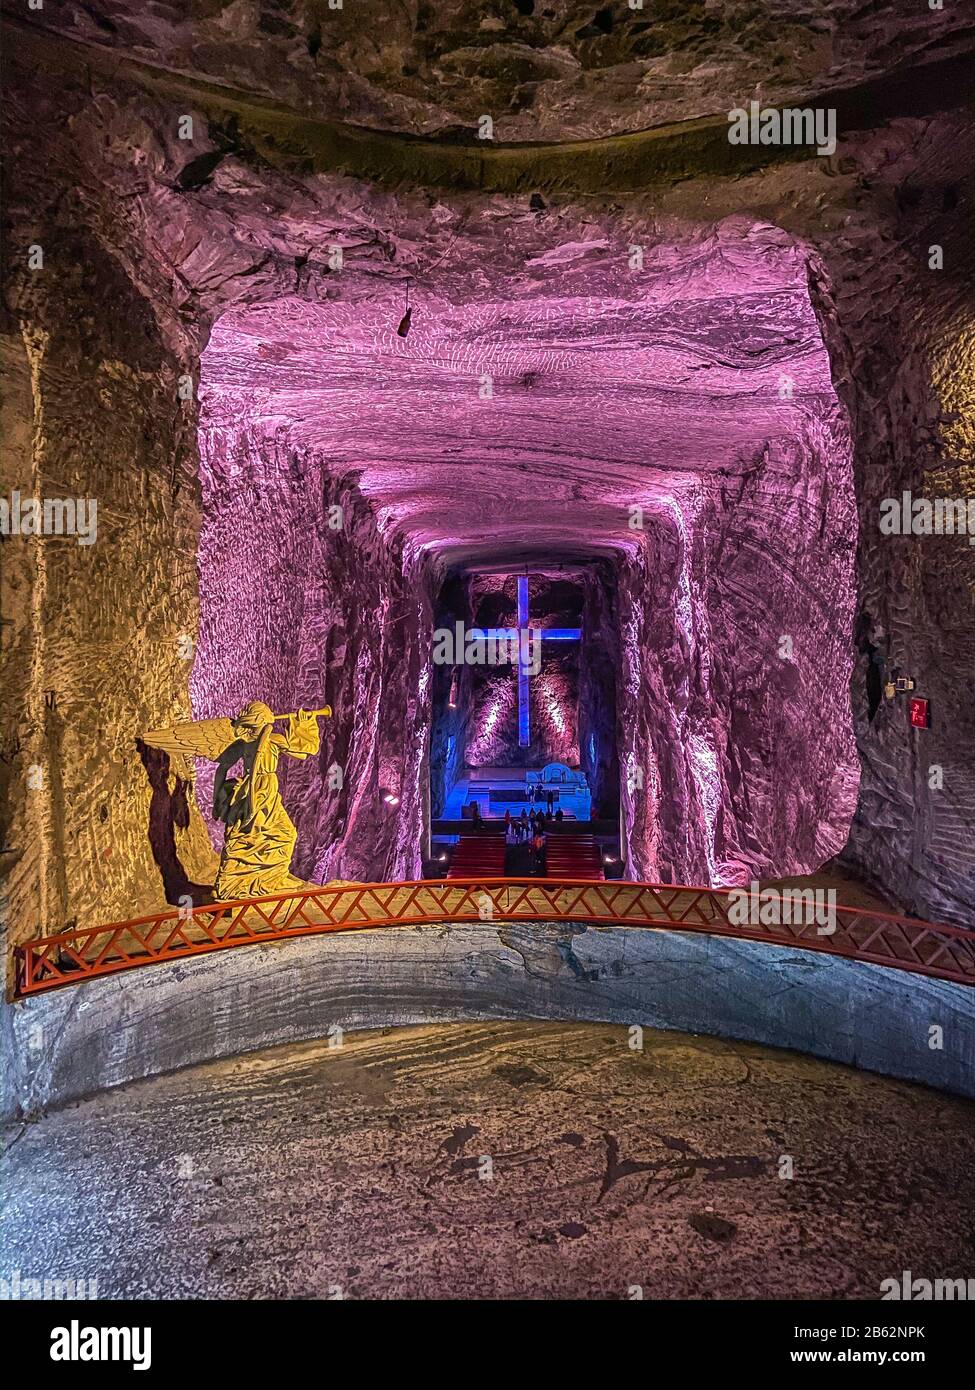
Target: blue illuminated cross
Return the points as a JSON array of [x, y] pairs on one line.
[[546, 634]]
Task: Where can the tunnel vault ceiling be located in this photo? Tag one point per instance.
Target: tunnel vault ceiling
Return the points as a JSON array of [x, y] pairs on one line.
[[677, 413], [533, 425]]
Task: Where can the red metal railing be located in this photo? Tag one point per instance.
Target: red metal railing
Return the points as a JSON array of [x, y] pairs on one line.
[[48, 962]]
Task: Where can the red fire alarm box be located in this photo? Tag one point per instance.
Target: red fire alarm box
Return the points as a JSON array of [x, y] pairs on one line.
[[920, 714]]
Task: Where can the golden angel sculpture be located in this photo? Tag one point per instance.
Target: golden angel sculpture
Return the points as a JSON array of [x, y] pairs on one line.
[[259, 838]]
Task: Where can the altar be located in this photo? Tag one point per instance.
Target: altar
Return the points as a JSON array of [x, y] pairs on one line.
[[498, 789]]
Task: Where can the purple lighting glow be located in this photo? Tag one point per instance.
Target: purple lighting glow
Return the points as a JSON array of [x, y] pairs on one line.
[[615, 396]]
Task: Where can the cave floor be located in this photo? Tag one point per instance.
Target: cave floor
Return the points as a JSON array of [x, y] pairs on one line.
[[497, 1160]]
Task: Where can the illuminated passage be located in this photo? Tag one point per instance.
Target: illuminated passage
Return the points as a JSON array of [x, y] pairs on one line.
[[539, 634]]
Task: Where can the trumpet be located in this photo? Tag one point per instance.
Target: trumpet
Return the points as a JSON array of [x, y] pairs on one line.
[[325, 712]]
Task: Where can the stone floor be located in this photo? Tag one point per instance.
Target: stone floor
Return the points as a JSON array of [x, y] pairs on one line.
[[492, 1160]]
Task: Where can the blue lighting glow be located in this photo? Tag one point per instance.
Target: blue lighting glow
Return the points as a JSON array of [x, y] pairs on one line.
[[508, 635], [524, 717]]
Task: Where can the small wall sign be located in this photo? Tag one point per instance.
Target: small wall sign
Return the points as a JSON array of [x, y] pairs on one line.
[[920, 713]]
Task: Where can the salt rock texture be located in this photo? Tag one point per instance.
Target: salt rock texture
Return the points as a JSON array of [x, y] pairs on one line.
[[668, 388], [596, 420], [309, 1168], [93, 635], [226, 1003], [300, 614], [605, 386], [736, 785], [542, 69]]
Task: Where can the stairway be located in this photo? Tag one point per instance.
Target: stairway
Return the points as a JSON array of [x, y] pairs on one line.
[[573, 856], [478, 856]]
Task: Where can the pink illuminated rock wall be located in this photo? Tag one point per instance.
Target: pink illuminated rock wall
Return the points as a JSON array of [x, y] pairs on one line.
[[303, 604], [738, 755], [732, 629]]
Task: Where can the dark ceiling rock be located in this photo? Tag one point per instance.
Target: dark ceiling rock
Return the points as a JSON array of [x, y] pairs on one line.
[[542, 71]]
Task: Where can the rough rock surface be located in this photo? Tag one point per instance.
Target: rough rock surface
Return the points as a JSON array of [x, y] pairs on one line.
[[92, 636], [362, 1172], [70, 1043], [300, 614], [725, 673], [237, 227], [543, 69], [693, 403]]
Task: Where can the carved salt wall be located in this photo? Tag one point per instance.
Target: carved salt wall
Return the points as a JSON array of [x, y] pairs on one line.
[[96, 637], [900, 337], [572, 71], [172, 234], [303, 603], [740, 761]]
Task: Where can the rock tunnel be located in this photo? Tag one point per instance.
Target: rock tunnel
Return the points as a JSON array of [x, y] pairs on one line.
[[486, 322], [671, 432]]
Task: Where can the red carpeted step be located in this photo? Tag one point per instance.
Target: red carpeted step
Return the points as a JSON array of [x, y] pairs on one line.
[[478, 856], [567, 856], [573, 856]]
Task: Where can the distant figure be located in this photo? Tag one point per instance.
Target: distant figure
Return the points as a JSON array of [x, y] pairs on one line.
[[558, 814], [548, 817], [476, 817], [551, 802], [531, 794], [507, 821], [538, 850], [523, 825]]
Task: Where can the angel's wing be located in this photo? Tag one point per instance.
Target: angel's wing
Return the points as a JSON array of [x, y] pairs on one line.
[[203, 738]]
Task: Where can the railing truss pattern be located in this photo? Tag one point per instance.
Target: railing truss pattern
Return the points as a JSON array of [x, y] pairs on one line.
[[49, 962]]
